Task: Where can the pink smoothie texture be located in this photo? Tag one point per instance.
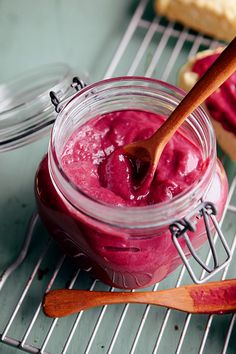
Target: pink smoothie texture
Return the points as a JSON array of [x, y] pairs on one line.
[[222, 103], [223, 295], [93, 160]]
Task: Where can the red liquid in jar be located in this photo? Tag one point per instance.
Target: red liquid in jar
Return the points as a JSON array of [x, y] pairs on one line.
[[93, 161], [222, 103]]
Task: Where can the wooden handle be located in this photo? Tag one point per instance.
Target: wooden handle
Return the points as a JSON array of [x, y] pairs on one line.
[[63, 302], [220, 70]]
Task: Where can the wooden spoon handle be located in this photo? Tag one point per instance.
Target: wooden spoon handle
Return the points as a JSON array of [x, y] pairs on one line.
[[222, 68], [214, 297], [62, 302]]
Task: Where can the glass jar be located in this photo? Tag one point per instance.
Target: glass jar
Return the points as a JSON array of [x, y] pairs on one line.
[[128, 247], [26, 118]]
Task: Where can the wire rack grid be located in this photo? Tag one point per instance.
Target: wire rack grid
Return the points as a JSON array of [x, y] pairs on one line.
[[151, 48]]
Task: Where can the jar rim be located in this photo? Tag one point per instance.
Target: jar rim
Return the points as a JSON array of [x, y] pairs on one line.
[[26, 112], [128, 217]]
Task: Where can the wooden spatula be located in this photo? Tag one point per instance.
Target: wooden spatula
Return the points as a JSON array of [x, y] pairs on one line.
[[214, 297]]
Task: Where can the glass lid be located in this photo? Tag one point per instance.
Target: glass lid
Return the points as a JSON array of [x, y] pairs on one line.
[[26, 111]]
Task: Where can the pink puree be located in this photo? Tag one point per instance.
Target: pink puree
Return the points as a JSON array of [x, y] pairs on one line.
[[222, 103], [119, 256], [94, 160], [217, 296]]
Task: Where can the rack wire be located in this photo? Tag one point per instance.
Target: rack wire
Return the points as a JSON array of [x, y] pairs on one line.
[[129, 328]]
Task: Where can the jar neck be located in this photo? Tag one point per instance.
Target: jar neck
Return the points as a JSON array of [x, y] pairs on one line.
[[127, 93]]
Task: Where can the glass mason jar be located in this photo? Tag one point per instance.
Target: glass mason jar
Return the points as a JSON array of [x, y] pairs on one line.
[[26, 118], [128, 247]]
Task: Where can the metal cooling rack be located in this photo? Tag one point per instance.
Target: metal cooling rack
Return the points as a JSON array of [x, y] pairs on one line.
[[160, 48]]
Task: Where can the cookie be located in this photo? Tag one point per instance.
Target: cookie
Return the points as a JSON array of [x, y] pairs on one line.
[[216, 18]]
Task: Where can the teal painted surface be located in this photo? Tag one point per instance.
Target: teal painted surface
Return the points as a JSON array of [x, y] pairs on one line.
[[81, 33], [85, 35]]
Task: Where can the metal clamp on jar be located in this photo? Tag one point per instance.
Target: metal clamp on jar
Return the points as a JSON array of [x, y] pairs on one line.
[[180, 228]]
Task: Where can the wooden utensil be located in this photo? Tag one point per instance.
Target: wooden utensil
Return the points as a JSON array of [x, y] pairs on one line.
[[150, 150], [214, 297]]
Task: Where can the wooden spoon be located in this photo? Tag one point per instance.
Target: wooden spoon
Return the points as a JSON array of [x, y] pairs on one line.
[[150, 150], [215, 297]]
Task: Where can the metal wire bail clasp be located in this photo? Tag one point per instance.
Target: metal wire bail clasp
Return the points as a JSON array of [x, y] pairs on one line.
[[180, 229], [57, 101]]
